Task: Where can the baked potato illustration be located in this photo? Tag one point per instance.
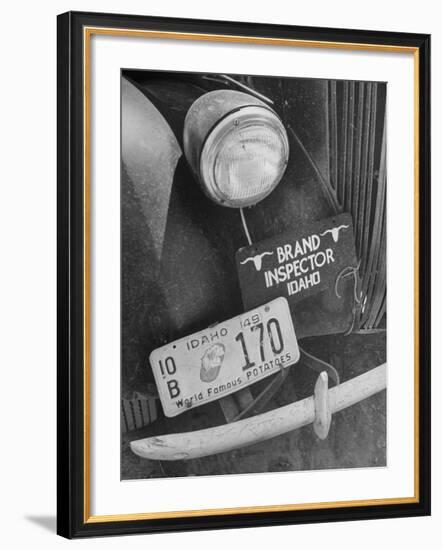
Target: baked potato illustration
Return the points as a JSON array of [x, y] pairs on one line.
[[211, 362]]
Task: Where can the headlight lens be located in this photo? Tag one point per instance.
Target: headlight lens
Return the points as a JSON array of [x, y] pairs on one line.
[[242, 155]]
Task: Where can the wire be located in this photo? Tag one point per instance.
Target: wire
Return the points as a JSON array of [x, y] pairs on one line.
[[319, 365], [247, 88], [327, 187], [244, 224], [357, 304]]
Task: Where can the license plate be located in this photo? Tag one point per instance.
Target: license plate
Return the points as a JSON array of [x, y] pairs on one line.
[[225, 358]]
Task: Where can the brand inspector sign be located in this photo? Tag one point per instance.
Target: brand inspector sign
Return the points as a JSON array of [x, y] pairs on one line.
[[297, 263]]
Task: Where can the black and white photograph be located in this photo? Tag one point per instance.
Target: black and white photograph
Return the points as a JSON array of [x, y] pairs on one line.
[[217, 317], [253, 274]]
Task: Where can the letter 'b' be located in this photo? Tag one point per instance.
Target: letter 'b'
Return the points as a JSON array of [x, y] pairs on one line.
[[174, 390], [281, 254]]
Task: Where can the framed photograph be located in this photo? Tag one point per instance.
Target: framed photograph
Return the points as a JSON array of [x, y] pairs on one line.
[[243, 274]]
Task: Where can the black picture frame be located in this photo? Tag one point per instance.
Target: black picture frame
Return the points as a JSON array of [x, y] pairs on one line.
[[74, 518]]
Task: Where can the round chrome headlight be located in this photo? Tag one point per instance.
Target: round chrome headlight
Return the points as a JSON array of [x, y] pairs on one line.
[[237, 147]]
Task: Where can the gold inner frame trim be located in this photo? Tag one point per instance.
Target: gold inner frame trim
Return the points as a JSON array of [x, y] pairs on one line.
[[88, 32]]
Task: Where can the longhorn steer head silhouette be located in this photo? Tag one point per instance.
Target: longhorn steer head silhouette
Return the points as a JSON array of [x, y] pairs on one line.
[[335, 232], [257, 260]]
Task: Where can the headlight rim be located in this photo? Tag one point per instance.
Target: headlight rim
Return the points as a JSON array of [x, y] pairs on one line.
[[248, 113]]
